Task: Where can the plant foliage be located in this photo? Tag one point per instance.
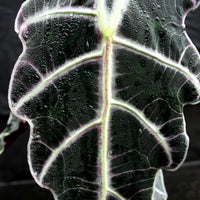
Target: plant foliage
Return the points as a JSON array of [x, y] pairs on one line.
[[102, 85]]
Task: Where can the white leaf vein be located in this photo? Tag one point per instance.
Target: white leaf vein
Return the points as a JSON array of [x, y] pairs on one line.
[[50, 77], [149, 53], [52, 13], [66, 143], [153, 129]]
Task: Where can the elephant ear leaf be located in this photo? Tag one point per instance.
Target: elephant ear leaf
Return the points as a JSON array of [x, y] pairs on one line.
[[103, 85]]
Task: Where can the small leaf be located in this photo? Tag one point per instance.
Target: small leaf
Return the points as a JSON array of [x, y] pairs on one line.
[[103, 85], [13, 125], [159, 191]]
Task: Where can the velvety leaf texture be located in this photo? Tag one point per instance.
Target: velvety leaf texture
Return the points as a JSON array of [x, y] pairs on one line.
[[103, 85]]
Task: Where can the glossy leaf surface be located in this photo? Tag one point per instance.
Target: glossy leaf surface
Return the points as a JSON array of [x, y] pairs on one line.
[[103, 85]]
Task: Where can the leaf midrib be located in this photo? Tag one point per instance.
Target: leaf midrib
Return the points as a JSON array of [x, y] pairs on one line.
[[107, 94]]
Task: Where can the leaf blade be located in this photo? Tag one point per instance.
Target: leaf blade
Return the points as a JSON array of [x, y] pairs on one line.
[[132, 69]]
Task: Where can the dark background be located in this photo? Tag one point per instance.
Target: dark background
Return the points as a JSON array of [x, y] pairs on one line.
[[16, 182]]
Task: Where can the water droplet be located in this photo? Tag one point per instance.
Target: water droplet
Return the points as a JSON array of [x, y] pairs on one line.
[[71, 14], [37, 137], [110, 153], [91, 106], [147, 16], [184, 27], [65, 34], [87, 44], [140, 130]]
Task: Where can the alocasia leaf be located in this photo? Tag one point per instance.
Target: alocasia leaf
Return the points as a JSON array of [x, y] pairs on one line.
[[103, 85]]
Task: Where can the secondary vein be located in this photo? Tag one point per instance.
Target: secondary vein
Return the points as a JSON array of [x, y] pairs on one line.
[[159, 58], [54, 12], [64, 145], [116, 194], [148, 124], [50, 77]]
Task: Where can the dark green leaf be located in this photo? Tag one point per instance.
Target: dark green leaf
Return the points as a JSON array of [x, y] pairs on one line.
[[103, 85]]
